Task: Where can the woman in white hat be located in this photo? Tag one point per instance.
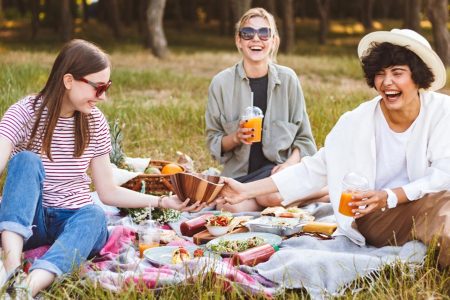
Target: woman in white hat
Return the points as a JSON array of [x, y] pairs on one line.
[[399, 141]]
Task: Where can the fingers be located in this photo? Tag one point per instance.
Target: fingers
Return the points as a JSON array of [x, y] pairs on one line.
[[243, 134], [197, 206], [275, 169]]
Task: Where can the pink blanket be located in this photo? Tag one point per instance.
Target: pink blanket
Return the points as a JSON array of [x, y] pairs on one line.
[[118, 264]]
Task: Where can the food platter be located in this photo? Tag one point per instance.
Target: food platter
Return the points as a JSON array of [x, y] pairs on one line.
[[163, 255], [215, 245], [275, 225]]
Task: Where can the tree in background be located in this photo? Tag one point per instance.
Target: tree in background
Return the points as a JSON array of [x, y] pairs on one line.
[[238, 8], [411, 18], [438, 14], [288, 34], [323, 7], [157, 38], [366, 14], [66, 21]]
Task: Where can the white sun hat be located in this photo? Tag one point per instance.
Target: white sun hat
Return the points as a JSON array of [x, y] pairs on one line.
[[414, 42]]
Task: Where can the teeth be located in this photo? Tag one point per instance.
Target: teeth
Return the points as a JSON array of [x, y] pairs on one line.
[[392, 93], [256, 48]]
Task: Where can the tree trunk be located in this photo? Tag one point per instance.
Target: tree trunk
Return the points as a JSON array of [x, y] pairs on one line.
[[323, 7], [155, 13], [271, 7], [126, 8], [112, 10], [178, 14], [288, 40], [142, 19], [66, 24], [226, 26], [411, 17], [438, 15], [238, 8], [366, 14], [34, 18], [85, 11]]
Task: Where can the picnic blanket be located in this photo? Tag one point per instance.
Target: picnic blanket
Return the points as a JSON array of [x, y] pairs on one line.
[[322, 267], [327, 267], [118, 266]]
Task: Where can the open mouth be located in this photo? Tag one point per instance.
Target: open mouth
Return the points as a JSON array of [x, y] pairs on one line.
[[392, 95], [256, 48]]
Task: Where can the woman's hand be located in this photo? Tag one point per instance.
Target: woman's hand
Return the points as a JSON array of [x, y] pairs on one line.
[[242, 134], [280, 167], [233, 192], [175, 203], [370, 200]]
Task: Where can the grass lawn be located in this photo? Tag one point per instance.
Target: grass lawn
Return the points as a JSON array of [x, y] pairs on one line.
[[161, 105]]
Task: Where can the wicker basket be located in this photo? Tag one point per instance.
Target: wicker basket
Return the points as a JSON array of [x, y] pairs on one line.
[[155, 184]]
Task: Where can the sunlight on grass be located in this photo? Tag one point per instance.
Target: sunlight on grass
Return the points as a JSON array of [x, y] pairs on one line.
[[161, 104]]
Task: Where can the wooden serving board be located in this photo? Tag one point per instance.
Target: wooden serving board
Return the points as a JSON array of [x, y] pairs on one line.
[[204, 236]]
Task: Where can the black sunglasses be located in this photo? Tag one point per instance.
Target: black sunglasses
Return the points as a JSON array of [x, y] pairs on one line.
[[248, 33], [100, 88]]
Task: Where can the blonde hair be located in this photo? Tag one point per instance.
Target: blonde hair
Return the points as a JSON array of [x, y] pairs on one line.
[[261, 12]]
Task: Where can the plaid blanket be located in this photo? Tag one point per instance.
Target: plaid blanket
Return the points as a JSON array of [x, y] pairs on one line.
[[118, 265]]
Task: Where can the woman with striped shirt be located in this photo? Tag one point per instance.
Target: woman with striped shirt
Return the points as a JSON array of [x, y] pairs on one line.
[[50, 140]]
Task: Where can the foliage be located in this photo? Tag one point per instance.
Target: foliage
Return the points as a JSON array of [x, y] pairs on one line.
[[162, 104]]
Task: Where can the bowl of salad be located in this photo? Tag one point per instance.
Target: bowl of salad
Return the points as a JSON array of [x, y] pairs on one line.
[[218, 225]]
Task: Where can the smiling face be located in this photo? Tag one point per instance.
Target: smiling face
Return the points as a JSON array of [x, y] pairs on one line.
[[255, 50], [81, 96], [398, 89]]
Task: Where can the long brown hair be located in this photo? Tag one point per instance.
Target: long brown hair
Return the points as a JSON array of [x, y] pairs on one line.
[[79, 58]]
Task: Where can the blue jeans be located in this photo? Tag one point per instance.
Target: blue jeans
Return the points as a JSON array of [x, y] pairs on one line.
[[74, 234]]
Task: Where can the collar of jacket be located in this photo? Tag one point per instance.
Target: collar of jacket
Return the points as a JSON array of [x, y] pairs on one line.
[[273, 73]]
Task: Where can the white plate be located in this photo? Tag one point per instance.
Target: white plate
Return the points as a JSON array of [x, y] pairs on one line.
[[163, 255], [269, 238]]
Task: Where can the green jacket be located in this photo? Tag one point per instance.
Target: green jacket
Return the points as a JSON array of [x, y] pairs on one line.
[[286, 123]]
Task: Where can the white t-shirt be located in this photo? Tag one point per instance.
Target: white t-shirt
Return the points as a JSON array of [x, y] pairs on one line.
[[391, 169]]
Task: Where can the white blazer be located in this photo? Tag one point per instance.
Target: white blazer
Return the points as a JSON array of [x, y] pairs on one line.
[[350, 147]]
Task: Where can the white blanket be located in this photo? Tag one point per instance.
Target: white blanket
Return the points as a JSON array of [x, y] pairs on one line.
[[325, 267]]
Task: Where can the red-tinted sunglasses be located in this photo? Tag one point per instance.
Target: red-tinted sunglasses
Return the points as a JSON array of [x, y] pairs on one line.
[[248, 33], [100, 88]]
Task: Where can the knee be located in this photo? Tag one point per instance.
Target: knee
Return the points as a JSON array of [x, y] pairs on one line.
[[94, 214], [27, 159]]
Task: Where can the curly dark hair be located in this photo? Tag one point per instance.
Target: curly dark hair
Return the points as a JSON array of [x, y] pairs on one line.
[[384, 55]]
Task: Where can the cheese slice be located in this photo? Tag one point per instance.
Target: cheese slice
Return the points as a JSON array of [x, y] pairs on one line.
[[320, 227]]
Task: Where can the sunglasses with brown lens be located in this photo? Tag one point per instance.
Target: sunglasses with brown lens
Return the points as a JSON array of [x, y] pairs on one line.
[[100, 88]]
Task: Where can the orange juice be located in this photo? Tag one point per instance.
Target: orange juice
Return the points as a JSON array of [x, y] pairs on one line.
[[143, 247], [344, 208], [255, 123]]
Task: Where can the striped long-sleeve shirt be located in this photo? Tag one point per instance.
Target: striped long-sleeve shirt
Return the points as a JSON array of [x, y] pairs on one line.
[[66, 183]]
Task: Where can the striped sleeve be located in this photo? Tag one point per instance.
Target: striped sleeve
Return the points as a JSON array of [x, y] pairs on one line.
[[102, 137], [14, 122]]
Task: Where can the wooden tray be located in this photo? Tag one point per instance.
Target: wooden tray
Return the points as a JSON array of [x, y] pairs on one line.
[[204, 236]]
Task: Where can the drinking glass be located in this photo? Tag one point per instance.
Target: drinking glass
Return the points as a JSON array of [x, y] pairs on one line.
[[352, 183], [253, 116], [148, 236]]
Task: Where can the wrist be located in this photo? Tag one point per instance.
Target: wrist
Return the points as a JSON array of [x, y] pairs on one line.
[[392, 199], [160, 201], [236, 139]]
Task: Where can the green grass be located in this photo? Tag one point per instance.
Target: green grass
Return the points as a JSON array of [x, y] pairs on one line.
[[162, 103]]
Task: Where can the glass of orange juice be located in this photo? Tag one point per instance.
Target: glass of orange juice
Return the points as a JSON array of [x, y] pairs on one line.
[[253, 116], [148, 237], [352, 183]]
